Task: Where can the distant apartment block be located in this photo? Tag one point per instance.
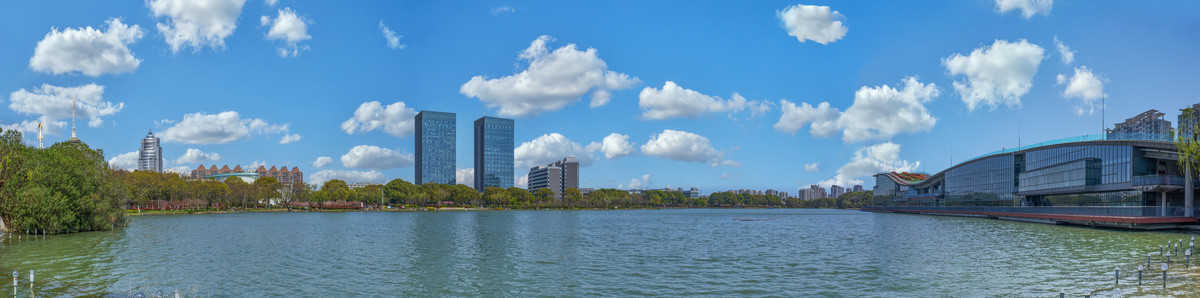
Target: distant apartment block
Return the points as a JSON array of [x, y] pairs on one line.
[[1188, 119], [281, 174], [493, 153], [435, 147], [836, 191], [858, 188], [361, 185], [557, 176], [1148, 123], [150, 155], [813, 192]]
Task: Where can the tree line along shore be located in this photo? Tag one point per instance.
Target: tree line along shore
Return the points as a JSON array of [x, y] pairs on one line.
[[69, 187]]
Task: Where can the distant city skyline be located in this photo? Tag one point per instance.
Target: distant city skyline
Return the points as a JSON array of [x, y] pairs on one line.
[[778, 95]]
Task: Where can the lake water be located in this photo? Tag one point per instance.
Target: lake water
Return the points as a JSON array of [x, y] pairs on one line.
[[588, 253]]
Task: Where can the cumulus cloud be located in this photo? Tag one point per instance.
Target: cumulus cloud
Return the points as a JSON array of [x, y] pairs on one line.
[[685, 146], [549, 148], [1085, 87], [372, 157], [1028, 8], [822, 117], [1068, 56], [29, 128], [522, 182], [87, 50], [289, 29], [124, 161], [393, 40], [193, 155], [196, 23], [289, 138], [322, 161], [465, 176], [613, 146], [221, 128], [396, 119], [673, 101], [882, 112], [878, 112], [55, 102], [553, 80], [637, 183], [348, 176], [812, 167], [996, 75], [871, 160], [810, 22]]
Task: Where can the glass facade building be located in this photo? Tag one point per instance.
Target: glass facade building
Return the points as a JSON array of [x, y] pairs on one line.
[[435, 148], [493, 153], [150, 155], [1112, 171]]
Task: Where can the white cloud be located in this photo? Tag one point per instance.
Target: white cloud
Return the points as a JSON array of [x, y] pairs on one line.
[[196, 156], [729, 176], [393, 40], [871, 160], [996, 75], [288, 28], [673, 101], [465, 176], [179, 169], [685, 146], [125, 161], [812, 167], [289, 138], [87, 50], [372, 157], [552, 81], [254, 165], [637, 183], [1028, 8], [55, 102], [225, 127], [272, 2], [396, 119], [522, 182], [1084, 86], [810, 22], [613, 146], [877, 113], [549, 148], [503, 9], [822, 117], [1068, 56], [882, 112], [29, 128], [319, 178], [840, 180], [196, 23], [322, 161]]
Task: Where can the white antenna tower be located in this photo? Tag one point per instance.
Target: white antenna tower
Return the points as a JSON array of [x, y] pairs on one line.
[[73, 116]]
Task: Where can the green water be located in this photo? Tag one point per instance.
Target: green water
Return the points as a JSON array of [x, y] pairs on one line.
[[697, 252]]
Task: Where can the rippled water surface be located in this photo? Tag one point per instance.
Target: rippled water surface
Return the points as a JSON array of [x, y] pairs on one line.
[[585, 253]]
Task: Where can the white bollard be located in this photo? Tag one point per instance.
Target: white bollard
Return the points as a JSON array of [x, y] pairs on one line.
[[1140, 275], [1117, 280], [1164, 268]]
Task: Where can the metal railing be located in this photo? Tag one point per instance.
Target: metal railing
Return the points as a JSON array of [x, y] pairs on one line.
[[1133, 211]]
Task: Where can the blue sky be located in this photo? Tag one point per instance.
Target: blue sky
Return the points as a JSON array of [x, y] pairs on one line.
[[235, 82]]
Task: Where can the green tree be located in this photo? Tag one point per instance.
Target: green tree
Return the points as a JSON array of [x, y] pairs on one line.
[[64, 188], [266, 188], [572, 197], [543, 196], [518, 197]]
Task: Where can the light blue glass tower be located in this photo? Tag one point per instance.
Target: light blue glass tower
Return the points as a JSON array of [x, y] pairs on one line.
[[493, 152], [435, 147]]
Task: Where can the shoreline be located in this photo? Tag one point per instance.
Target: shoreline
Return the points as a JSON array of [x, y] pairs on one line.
[[135, 212]]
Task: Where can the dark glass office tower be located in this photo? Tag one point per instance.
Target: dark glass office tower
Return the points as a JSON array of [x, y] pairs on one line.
[[493, 153], [435, 147]]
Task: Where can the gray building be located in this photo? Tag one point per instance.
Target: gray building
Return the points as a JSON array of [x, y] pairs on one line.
[[836, 191], [1188, 120], [557, 176], [150, 155], [435, 148], [493, 153], [858, 188], [1147, 125]]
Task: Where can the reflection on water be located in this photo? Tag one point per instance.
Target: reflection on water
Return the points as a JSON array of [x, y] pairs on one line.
[[587, 253]]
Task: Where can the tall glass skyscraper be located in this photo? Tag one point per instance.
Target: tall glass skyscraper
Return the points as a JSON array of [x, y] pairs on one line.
[[435, 147], [150, 157], [493, 153]]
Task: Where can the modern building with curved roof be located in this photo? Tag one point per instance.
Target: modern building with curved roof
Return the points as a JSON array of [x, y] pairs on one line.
[[1110, 170]]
